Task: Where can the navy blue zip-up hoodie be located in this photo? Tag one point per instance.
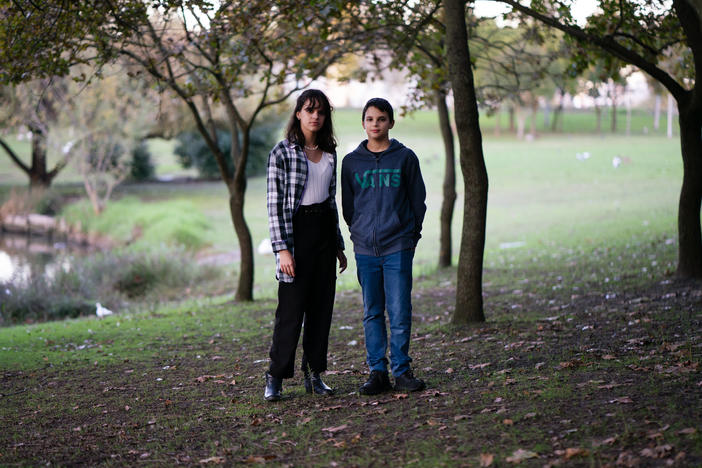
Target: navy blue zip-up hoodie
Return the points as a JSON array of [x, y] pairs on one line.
[[383, 199]]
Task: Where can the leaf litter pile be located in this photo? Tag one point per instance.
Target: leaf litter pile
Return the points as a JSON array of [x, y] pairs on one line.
[[550, 379]]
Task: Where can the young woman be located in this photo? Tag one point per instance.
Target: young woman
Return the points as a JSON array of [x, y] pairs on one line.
[[305, 236]]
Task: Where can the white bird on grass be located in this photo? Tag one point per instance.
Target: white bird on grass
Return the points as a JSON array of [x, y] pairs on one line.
[[101, 311]]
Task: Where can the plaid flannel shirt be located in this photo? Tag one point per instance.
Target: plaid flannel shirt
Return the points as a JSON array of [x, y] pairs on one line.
[[286, 183]]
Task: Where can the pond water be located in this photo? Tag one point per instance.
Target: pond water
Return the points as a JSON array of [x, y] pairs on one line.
[[23, 257]]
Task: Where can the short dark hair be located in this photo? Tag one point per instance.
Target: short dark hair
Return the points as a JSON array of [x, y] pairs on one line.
[[325, 135], [379, 103]]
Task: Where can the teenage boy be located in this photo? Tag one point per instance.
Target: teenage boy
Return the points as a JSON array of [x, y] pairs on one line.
[[383, 204]]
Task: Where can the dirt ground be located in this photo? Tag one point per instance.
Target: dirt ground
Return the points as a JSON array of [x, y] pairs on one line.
[[552, 378]]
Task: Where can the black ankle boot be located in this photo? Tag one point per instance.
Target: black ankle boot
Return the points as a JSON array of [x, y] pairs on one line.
[[319, 387], [274, 388], [314, 382]]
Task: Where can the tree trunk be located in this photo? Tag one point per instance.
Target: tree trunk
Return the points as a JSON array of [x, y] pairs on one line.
[[598, 114], [511, 119], [614, 115], [39, 177], [449, 186], [657, 113], [547, 114], [532, 122], [628, 116], [521, 123], [557, 114], [689, 235], [498, 123], [244, 290], [469, 295], [237, 192]]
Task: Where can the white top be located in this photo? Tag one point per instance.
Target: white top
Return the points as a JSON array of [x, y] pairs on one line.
[[319, 177]]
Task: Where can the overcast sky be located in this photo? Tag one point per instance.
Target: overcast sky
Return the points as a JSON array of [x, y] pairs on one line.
[[581, 9]]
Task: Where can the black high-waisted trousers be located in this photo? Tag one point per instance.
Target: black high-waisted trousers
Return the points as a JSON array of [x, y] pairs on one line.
[[310, 298]]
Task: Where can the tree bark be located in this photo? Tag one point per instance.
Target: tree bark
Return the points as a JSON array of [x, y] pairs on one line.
[[614, 110], [38, 175], [237, 192], [689, 233], [532, 121], [449, 186], [469, 297], [557, 113], [657, 113], [598, 114]]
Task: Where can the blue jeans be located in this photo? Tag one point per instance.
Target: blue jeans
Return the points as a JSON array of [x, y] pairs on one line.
[[386, 282]]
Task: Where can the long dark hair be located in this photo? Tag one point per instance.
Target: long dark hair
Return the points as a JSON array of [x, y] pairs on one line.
[[325, 135]]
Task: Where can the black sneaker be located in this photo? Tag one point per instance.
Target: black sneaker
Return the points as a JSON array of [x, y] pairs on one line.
[[407, 382], [378, 382]]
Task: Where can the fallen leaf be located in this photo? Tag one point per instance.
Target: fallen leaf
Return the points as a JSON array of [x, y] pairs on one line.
[[449, 370], [529, 415], [335, 429], [486, 459], [508, 422], [622, 400], [460, 417], [217, 358], [657, 452], [400, 396], [687, 431], [627, 459], [259, 458], [609, 357], [127, 408], [575, 452], [520, 455], [571, 364], [478, 366], [213, 460]]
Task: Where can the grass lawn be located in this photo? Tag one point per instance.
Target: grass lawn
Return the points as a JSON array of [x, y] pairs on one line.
[[589, 356]]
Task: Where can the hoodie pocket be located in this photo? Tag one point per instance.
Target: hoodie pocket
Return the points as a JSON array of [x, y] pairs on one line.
[[361, 229], [390, 229]]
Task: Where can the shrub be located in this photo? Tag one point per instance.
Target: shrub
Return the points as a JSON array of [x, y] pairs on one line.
[[141, 166], [192, 151], [20, 202], [109, 278]]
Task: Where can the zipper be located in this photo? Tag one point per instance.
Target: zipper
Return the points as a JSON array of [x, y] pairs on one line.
[[377, 207]]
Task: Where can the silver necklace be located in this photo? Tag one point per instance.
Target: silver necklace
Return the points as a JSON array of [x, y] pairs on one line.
[[312, 148]]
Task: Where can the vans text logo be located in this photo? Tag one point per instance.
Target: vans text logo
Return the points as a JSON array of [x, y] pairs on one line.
[[379, 178]]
